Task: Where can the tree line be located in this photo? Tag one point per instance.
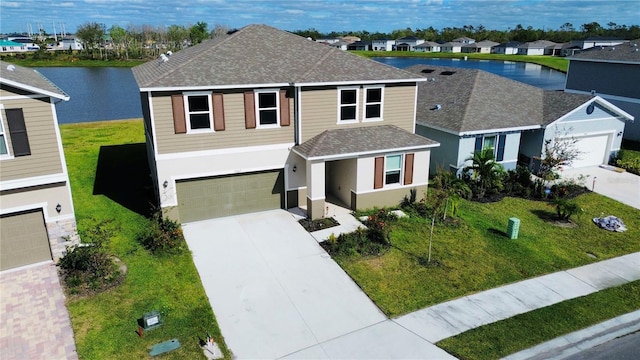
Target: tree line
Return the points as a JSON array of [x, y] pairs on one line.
[[565, 33], [147, 41]]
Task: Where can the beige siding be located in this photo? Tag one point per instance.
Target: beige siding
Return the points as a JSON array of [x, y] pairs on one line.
[[234, 135], [319, 109], [45, 155]]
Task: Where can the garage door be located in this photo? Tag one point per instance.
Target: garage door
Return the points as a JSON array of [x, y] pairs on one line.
[[23, 239], [592, 151], [219, 196]]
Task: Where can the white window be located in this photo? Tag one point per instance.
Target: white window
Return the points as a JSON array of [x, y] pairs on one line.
[[373, 97], [4, 150], [199, 112], [392, 169], [267, 105], [490, 142], [348, 105]]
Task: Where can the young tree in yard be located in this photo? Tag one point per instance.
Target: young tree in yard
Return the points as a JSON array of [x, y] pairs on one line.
[[557, 152], [436, 199], [119, 40], [91, 34]]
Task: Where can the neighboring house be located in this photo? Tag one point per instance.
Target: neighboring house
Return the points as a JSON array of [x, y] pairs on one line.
[[8, 46], [466, 110], [451, 47], [360, 45], [350, 39], [408, 43], [342, 45], [481, 47], [27, 42], [37, 220], [69, 43], [328, 41], [383, 44], [428, 46], [538, 47], [612, 73], [464, 40], [235, 129], [508, 48], [594, 41]]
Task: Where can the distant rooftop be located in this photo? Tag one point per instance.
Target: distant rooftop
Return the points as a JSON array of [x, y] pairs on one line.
[[627, 52]]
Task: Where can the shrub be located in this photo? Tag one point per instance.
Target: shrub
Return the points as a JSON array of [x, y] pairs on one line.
[[566, 208], [162, 236], [372, 241], [631, 165]]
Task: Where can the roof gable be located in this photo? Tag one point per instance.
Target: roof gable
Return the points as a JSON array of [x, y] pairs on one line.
[[29, 80], [261, 55]]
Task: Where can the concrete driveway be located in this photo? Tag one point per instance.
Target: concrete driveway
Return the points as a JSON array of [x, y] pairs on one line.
[[623, 187], [273, 289], [34, 321]]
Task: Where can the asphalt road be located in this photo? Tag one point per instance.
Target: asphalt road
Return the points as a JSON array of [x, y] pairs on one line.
[[622, 348]]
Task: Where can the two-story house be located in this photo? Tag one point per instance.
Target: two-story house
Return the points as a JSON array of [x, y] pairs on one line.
[[237, 125], [612, 73], [408, 43], [37, 220]]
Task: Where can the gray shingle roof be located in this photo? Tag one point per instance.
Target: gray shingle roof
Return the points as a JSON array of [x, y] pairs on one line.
[[473, 100], [359, 140], [30, 80], [538, 44], [627, 52], [259, 54]]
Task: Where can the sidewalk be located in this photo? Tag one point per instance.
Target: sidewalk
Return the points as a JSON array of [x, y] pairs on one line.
[[453, 317]]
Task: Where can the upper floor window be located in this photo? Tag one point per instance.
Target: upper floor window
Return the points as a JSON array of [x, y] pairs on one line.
[[199, 112], [4, 151], [267, 112], [373, 103], [348, 105]]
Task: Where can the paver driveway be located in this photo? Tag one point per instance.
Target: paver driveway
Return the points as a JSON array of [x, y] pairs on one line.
[[272, 287], [34, 321]]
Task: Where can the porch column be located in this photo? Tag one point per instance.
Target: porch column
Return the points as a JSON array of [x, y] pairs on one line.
[[315, 189]]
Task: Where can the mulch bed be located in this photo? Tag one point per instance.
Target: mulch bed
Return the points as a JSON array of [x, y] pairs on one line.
[[318, 224]]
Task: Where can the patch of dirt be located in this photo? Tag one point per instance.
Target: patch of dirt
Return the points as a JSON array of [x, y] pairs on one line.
[[564, 224], [318, 224]]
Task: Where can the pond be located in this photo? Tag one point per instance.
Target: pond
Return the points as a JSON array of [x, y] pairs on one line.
[[112, 93]]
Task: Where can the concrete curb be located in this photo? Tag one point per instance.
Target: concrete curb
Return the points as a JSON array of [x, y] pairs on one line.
[[575, 342]]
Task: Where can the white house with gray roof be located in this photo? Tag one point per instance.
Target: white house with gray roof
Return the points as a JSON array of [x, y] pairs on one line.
[[612, 73], [467, 110], [237, 125], [37, 220]]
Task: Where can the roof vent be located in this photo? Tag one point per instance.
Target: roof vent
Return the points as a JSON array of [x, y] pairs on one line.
[[593, 92], [163, 58], [11, 67], [432, 79], [448, 72], [169, 53], [427, 71], [437, 107]]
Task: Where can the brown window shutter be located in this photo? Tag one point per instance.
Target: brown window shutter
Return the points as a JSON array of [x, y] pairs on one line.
[[408, 169], [249, 110], [179, 121], [284, 109], [18, 132], [218, 112], [378, 178]]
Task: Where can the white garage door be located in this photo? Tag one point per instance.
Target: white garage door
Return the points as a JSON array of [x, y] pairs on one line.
[[23, 239], [593, 151]]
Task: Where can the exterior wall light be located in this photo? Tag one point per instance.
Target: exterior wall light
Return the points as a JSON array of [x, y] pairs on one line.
[[165, 184], [295, 167], [58, 208]]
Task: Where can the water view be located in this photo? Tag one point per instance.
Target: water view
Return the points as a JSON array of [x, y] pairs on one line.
[[112, 93]]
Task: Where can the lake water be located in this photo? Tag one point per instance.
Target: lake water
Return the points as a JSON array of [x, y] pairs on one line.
[[532, 74], [112, 93], [96, 93]]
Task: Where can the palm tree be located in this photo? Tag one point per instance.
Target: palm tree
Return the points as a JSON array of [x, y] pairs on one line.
[[484, 173]]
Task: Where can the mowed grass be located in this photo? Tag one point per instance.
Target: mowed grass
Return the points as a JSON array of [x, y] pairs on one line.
[[105, 325], [509, 336], [474, 254], [553, 62]]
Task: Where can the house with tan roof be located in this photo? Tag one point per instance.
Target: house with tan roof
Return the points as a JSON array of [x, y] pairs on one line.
[[237, 125], [467, 110], [538, 47], [37, 220], [480, 47]]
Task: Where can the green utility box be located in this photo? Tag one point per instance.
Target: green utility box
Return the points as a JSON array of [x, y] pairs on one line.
[[513, 228]]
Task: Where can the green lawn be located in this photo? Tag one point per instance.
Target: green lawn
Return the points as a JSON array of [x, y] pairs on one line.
[[509, 336], [109, 181], [554, 62], [474, 254]]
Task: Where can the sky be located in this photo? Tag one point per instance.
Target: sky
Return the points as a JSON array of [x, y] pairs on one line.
[[323, 15]]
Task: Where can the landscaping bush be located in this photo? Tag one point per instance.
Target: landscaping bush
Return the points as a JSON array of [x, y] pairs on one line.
[[88, 268], [566, 208], [629, 160], [162, 236], [518, 182], [372, 241]]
